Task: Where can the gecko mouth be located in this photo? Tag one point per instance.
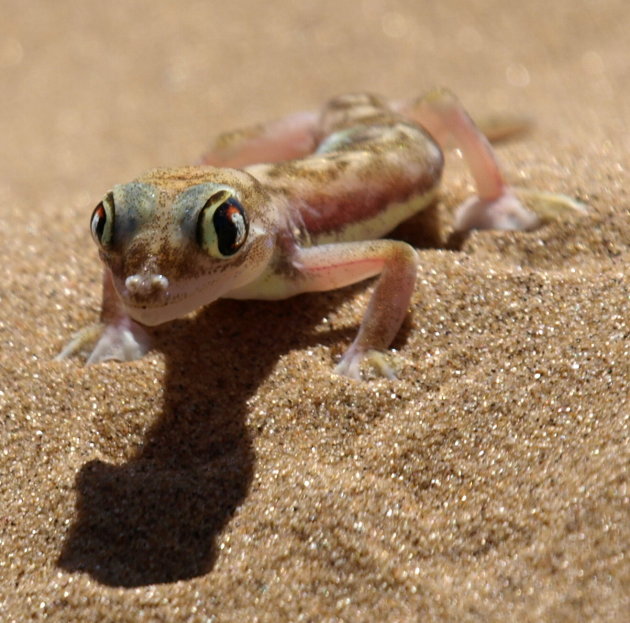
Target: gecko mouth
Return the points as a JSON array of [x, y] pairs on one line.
[[156, 306], [156, 313]]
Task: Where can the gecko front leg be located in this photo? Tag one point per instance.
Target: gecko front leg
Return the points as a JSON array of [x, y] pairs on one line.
[[331, 266], [116, 336]]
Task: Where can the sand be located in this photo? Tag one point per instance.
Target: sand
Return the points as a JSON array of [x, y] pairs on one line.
[[228, 475]]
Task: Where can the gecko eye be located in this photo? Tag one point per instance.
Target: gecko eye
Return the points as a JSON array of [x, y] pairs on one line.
[[222, 227], [102, 222]]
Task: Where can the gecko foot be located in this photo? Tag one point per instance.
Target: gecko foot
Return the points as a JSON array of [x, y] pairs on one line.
[[382, 363], [505, 212], [123, 341], [509, 212], [551, 206], [82, 341]]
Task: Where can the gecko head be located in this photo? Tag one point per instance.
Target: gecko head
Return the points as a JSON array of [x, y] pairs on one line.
[[173, 247]]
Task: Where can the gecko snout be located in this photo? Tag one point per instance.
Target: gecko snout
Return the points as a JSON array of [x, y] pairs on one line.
[[147, 287]]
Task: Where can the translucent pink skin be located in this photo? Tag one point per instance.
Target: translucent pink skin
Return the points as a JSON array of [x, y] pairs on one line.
[[342, 177], [291, 137], [494, 206]]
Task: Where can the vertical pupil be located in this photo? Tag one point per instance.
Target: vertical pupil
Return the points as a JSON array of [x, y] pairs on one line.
[[99, 220], [230, 225], [102, 219]]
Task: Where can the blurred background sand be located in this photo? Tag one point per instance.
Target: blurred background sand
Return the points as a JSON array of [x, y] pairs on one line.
[[228, 476]]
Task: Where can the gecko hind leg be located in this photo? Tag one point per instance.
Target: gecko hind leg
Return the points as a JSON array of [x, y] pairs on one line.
[[293, 136], [496, 205]]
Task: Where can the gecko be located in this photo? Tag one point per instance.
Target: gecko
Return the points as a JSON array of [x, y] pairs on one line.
[[296, 205]]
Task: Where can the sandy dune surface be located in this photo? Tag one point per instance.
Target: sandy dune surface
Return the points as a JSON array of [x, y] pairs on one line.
[[228, 475]]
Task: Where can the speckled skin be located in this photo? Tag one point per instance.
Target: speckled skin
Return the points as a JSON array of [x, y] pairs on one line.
[[337, 182]]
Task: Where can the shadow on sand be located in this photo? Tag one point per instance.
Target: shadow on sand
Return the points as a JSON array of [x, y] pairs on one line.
[[155, 518]]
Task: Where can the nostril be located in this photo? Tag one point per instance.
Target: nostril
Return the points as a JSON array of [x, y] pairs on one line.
[[145, 286], [133, 283], [159, 282]]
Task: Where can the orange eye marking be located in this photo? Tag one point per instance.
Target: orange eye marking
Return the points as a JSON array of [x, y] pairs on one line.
[[231, 212]]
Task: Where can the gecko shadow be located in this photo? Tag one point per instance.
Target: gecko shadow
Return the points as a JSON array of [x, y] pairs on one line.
[[155, 518]]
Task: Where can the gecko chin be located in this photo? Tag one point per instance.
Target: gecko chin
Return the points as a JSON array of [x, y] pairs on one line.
[[156, 313], [153, 315]]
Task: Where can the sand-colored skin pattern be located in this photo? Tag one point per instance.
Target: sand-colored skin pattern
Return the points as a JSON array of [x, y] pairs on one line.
[[228, 475]]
